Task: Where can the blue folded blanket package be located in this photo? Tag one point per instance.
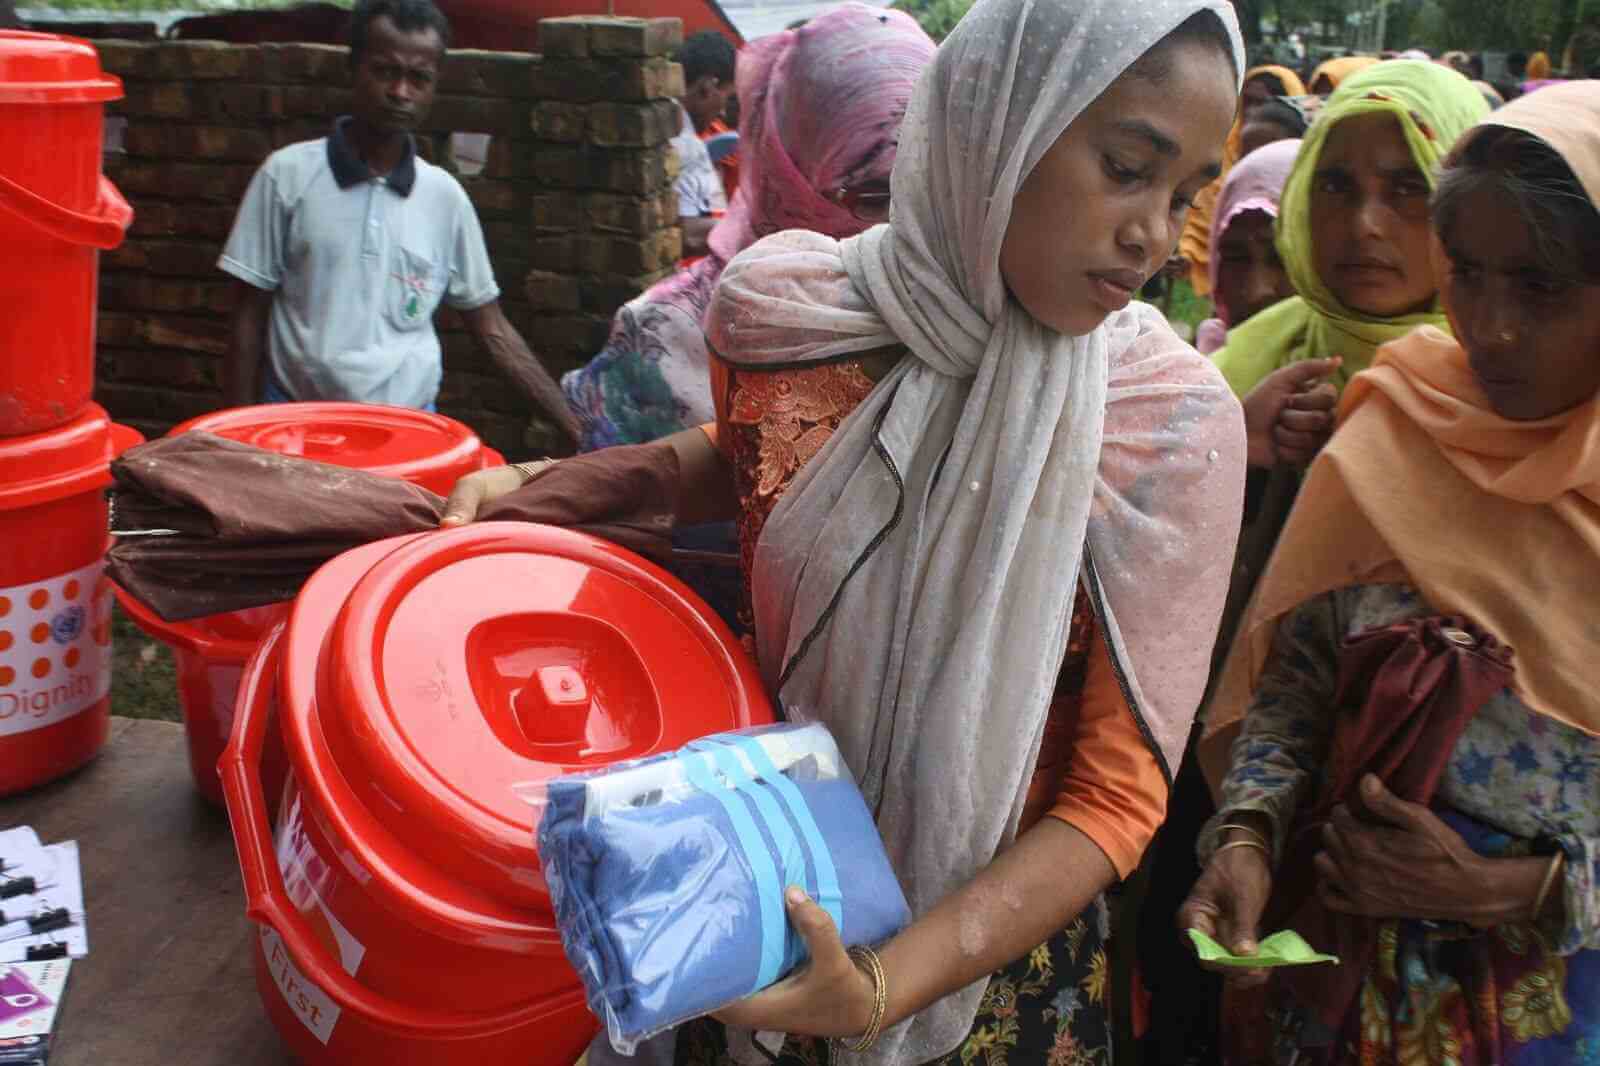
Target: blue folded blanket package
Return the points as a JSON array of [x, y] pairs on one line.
[[668, 873]]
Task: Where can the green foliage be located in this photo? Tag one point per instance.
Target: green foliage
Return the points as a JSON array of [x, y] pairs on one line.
[[1183, 305], [1472, 24], [1437, 25], [938, 17]]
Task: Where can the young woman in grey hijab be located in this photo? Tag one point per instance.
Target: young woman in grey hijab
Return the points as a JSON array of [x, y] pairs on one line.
[[914, 586], [1042, 474]]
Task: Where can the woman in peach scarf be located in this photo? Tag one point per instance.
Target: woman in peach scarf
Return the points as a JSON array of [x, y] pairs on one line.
[[1461, 492]]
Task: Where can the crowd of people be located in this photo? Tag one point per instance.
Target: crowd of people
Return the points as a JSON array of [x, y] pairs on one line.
[[1302, 624]]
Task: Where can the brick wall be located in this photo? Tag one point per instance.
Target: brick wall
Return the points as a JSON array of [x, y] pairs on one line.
[[574, 195]]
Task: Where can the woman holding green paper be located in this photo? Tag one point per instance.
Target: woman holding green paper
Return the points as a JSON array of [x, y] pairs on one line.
[[1431, 812]]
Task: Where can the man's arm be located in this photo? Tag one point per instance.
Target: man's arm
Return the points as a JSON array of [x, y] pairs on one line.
[[510, 353], [247, 348]]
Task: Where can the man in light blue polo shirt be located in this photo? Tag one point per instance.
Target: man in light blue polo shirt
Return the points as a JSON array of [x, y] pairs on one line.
[[345, 246]]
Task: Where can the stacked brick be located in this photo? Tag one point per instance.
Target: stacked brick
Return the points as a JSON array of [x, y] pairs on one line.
[[574, 197], [605, 218]]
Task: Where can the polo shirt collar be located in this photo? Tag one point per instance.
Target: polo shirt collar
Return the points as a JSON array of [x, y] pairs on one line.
[[349, 168]]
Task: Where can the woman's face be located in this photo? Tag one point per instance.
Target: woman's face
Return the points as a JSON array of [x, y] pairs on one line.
[[1102, 210], [1257, 91], [1370, 239], [1250, 276], [1259, 132], [1532, 338]]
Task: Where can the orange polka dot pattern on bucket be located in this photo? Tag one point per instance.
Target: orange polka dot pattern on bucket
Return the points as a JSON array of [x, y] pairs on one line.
[[55, 649]]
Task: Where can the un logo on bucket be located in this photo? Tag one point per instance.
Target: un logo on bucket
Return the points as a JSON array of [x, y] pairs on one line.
[[67, 626]]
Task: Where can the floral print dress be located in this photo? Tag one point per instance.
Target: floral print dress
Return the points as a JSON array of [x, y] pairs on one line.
[[1439, 993], [650, 380]]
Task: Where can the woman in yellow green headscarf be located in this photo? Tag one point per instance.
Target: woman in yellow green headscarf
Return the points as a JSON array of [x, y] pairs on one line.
[[1353, 229], [1260, 85], [1353, 232]]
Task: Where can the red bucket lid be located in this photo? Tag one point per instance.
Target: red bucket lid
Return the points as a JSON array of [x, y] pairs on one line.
[[44, 68], [42, 467], [426, 449], [428, 676]]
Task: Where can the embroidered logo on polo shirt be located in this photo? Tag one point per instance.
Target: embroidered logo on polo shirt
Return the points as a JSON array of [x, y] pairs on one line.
[[416, 286]]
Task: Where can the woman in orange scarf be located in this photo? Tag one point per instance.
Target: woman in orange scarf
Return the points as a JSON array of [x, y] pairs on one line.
[[1329, 75], [1260, 85], [1455, 515]]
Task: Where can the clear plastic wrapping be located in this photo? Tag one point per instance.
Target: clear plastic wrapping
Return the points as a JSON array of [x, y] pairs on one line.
[[668, 873]]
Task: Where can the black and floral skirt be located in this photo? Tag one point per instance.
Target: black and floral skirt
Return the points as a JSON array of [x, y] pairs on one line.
[[1049, 1008]]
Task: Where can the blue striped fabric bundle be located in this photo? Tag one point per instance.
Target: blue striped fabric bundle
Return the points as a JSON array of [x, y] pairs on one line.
[[668, 873]]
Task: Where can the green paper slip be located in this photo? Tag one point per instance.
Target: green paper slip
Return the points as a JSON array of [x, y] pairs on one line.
[[1283, 948]]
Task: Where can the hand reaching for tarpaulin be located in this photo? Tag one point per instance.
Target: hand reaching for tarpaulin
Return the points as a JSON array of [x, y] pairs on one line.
[[204, 524]]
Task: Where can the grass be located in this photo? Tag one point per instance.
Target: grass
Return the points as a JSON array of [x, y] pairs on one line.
[[144, 682]]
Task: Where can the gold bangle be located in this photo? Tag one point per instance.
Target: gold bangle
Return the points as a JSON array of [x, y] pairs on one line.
[[880, 996], [1220, 848], [1556, 862], [532, 468], [1255, 834]]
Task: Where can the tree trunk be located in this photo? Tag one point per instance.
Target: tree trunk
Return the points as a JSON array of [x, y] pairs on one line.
[[1566, 22]]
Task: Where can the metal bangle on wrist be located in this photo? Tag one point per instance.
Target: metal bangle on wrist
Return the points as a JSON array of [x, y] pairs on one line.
[[1251, 831], [868, 960], [1252, 838], [532, 468], [1550, 875]]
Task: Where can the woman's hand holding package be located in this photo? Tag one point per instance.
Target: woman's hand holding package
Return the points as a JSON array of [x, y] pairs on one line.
[[1035, 887], [1227, 902], [1289, 416], [829, 996], [1387, 858]]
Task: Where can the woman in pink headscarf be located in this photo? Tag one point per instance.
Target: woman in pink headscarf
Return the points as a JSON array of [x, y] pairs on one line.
[[1246, 274], [821, 109]]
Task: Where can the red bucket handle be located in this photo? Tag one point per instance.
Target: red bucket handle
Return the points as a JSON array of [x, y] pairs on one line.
[[267, 899], [103, 229]]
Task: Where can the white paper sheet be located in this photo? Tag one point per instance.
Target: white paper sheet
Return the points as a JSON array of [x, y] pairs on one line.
[[56, 871]]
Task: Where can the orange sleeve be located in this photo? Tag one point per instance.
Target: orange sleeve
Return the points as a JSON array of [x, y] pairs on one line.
[[1113, 791], [721, 385]]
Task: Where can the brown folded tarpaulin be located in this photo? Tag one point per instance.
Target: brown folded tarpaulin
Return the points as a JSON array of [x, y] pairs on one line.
[[204, 524]]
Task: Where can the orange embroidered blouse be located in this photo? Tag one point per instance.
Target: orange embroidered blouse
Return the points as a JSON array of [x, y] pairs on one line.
[[1095, 771]]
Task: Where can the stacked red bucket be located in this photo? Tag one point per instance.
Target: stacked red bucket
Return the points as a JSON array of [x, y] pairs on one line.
[[57, 212], [402, 917]]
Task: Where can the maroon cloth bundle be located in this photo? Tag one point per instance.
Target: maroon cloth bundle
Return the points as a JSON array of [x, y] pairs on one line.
[[204, 524], [1405, 695]]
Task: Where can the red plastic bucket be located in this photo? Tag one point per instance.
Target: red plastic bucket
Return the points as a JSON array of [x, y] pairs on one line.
[[56, 212], [55, 607], [417, 446], [402, 916], [428, 449]]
